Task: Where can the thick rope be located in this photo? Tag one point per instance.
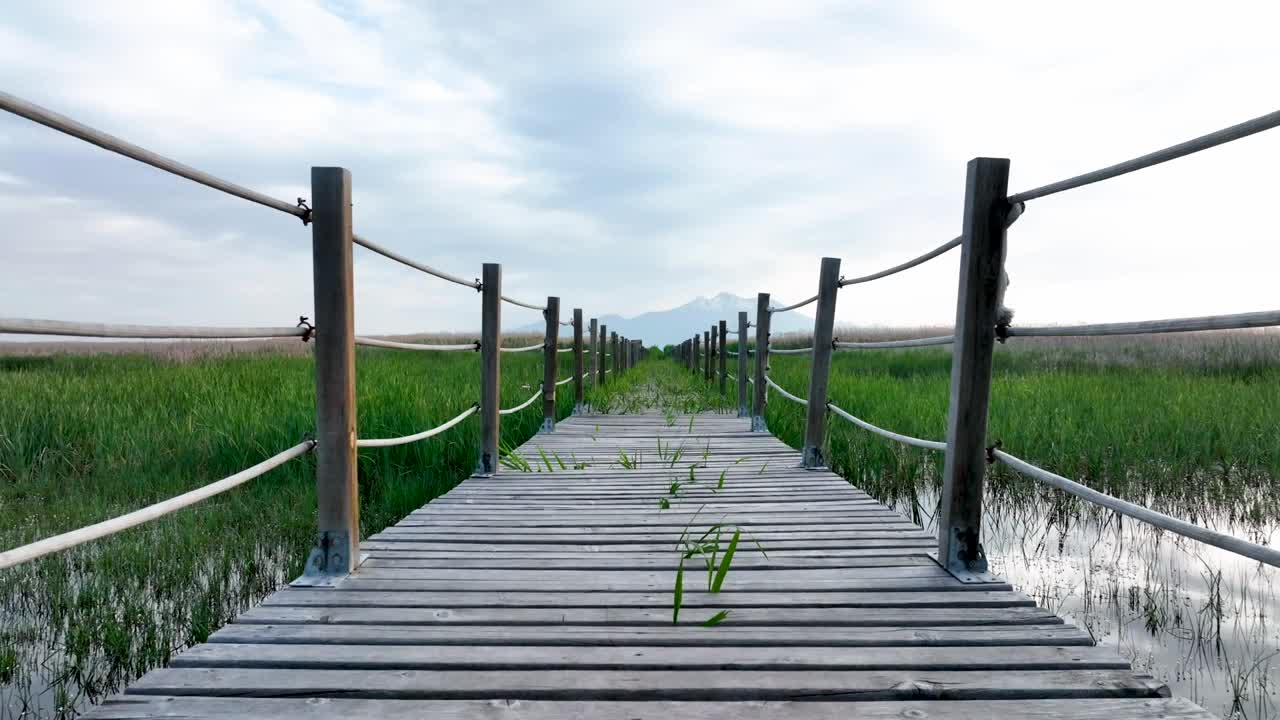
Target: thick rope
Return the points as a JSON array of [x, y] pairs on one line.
[[904, 439], [1015, 212], [1173, 152], [564, 381], [151, 512], [106, 141], [800, 304], [392, 255], [526, 348], [374, 342], [521, 303], [1262, 554], [537, 394], [24, 326], [784, 393], [917, 342], [1146, 327], [390, 442], [791, 351]]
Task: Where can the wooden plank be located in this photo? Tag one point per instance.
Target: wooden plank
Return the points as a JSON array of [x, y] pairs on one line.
[[147, 707], [593, 561], [675, 636], [342, 597], [641, 617], [500, 657], [650, 685], [361, 582]]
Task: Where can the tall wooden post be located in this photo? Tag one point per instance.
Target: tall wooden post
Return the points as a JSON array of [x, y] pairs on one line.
[[490, 367], [977, 306], [697, 354], [622, 353], [550, 364], [711, 350], [762, 362], [815, 426], [337, 548], [744, 408], [723, 357], [577, 361], [603, 354], [595, 355], [613, 353]]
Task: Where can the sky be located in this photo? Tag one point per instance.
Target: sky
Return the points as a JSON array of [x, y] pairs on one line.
[[632, 156]]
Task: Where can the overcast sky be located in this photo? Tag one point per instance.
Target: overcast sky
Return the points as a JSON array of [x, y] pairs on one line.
[[631, 156]]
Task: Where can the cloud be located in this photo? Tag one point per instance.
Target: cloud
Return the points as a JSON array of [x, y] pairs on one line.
[[631, 157]]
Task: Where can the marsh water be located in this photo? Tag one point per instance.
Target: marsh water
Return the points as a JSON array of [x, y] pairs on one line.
[[1196, 617]]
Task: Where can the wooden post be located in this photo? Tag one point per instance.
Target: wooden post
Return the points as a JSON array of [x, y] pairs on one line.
[[622, 353], [550, 364], [762, 362], [744, 409], [595, 355], [613, 353], [337, 548], [713, 357], [815, 426], [577, 361], [490, 367], [603, 350], [697, 354], [977, 307], [708, 342], [723, 357]]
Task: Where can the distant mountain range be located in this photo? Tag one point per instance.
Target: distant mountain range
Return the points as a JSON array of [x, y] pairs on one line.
[[668, 327]]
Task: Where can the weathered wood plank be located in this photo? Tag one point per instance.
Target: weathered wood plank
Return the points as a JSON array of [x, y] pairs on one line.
[[148, 707], [674, 636], [638, 617], [650, 685], [692, 599], [506, 657]]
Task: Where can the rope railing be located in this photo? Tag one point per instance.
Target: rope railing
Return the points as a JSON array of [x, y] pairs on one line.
[[1240, 321], [25, 326], [392, 344], [1204, 142], [526, 348], [1015, 212], [784, 393], [392, 255], [898, 437], [914, 342], [791, 351], [522, 303], [537, 394], [106, 141], [565, 381], [564, 349], [1181, 527], [391, 442], [83, 535], [800, 304]]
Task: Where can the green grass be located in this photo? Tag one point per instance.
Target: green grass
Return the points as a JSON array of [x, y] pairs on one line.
[[1175, 431], [84, 438]]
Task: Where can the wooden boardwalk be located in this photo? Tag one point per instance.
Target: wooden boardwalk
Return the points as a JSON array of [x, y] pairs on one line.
[[547, 596]]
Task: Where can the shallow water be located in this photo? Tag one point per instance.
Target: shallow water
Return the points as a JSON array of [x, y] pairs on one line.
[[1196, 617]]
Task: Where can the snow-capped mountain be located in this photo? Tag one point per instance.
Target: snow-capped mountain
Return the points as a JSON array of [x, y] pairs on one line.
[[668, 327]]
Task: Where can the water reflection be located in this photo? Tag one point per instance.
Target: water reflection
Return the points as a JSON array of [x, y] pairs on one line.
[[1192, 615]]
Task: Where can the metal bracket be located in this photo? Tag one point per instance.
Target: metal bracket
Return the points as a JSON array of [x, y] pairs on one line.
[[328, 558], [758, 425], [811, 459], [485, 467], [968, 561], [548, 425]]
